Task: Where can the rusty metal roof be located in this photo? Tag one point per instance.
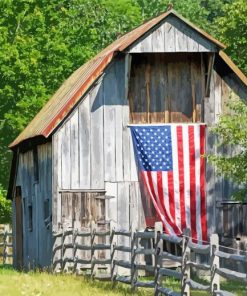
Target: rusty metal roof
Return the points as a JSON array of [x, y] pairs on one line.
[[70, 92]]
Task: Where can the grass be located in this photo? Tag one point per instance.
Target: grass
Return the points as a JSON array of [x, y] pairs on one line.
[[13, 283]]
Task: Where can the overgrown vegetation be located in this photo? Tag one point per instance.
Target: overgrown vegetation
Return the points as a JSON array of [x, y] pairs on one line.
[[231, 131], [13, 283], [5, 207]]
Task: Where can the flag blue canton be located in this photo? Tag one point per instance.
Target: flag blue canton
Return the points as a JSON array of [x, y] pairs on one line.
[[153, 147]]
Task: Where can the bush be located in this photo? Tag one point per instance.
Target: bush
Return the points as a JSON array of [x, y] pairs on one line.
[[5, 207]]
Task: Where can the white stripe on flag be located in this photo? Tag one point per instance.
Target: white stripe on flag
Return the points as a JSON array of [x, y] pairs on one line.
[[166, 193], [197, 173], [176, 176], [186, 175], [157, 207]]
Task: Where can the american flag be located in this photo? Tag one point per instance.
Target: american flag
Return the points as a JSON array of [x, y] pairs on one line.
[[172, 168]]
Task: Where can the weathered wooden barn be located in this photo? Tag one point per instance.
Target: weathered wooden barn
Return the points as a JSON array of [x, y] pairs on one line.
[[74, 162]]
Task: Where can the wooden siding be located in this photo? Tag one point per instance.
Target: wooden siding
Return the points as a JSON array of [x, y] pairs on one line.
[[218, 188], [36, 241], [93, 147], [172, 35], [92, 150], [166, 88]]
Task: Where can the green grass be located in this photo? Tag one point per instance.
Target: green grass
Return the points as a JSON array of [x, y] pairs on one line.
[[13, 283]]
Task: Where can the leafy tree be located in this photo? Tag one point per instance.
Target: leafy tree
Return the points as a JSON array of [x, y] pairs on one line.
[[231, 130], [231, 29], [5, 207], [41, 44]]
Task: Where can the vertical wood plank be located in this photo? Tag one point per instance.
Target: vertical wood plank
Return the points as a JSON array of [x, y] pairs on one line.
[[180, 41], [57, 178], [217, 95], [210, 148], [123, 220], [66, 160], [169, 37], [84, 143], [126, 144], [96, 135], [158, 44], [119, 143], [110, 95], [133, 165], [74, 150], [111, 208], [110, 143]]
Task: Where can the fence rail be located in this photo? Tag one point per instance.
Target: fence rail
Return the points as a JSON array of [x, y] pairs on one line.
[[6, 246], [125, 255]]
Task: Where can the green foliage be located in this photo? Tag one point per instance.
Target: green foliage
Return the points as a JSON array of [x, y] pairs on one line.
[[231, 29], [5, 207], [231, 131]]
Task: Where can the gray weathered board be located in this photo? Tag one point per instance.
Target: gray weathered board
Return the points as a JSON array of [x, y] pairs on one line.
[[172, 36], [37, 241]]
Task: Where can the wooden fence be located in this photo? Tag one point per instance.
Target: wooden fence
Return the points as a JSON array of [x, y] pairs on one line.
[[6, 246], [105, 254]]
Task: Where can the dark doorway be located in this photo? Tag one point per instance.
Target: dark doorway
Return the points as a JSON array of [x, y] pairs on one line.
[[19, 228]]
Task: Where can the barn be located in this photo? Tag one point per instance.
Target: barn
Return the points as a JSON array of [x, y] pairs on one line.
[[74, 163]]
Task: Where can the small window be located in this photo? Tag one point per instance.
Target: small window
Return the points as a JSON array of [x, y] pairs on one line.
[[30, 217], [47, 217], [36, 164]]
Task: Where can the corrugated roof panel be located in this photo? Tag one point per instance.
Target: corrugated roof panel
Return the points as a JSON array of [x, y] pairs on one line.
[[79, 82]]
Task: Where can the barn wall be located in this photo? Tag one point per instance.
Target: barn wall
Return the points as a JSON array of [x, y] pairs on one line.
[[92, 150], [222, 88], [172, 36], [35, 193]]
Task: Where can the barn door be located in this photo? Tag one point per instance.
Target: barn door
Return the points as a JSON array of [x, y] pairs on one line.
[[79, 209], [19, 229]]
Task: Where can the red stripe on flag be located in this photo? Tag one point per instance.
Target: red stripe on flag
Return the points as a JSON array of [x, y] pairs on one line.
[[192, 183], [160, 193], [202, 184], [161, 197], [181, 175], [149, 184], [171, 194]]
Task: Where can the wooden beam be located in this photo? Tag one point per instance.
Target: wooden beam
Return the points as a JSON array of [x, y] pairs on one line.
[[128, 59], [209, 73]]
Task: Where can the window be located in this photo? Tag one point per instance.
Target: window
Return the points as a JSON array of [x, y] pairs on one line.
[[30, 217], [234, 224], [46, 210]]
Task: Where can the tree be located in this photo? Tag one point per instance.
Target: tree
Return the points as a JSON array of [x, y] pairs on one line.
[[231, 29], [231, 130], [5, 208], [41, 44]]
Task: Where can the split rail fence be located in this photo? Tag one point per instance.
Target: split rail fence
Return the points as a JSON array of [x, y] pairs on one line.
[[105, 254], [6, 246]]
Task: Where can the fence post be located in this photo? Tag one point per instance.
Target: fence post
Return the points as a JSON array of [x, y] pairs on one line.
[[62, 252], [158, 228], [185, 268], [74, 249], [214, 263], [132, 261], [5, 246]]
